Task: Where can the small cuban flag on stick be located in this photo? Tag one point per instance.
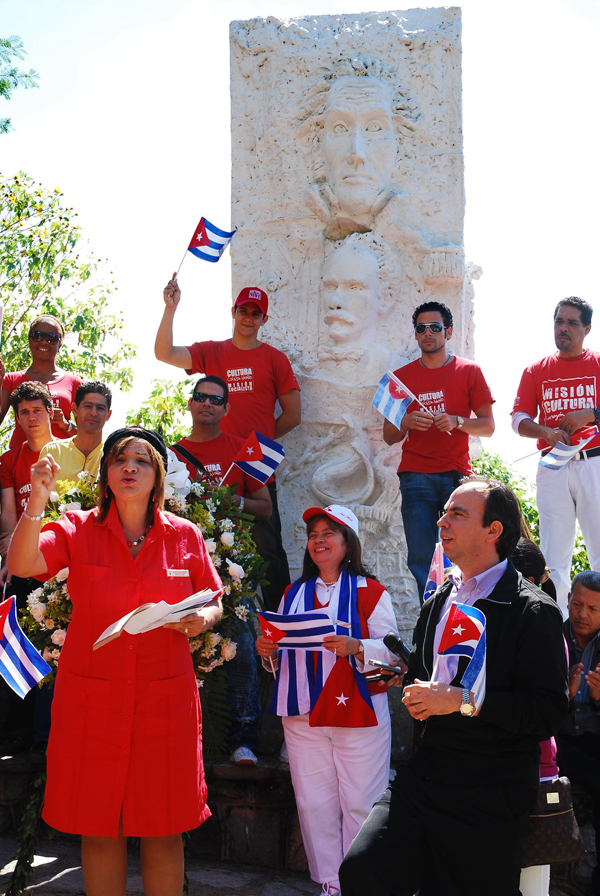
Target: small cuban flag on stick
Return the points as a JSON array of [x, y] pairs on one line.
[[297, 631], [259, 457], [561, 454], [208, 242], [21, 666], [393, 399], [464, 635], [437, 571]]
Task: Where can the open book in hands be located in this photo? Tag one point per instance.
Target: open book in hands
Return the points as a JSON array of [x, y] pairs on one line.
[[150, 616]]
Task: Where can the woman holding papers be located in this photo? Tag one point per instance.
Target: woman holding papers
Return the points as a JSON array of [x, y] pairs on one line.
[[337, 725], [124, 757]]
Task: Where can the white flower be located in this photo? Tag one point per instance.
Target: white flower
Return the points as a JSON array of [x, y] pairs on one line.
[[62, 574], [34, 597], [228, 650], [54, 497], [73, 505], [242, 613], [216, 560], [176, 500], [236, 571], [197, 488], [49, 623], [227, 539], [58, 637], [200, 682], [226, 525], [84, 475], [38, 611], [226, 589], [211, 506], [62, 508], [214, 638], [211, 545]]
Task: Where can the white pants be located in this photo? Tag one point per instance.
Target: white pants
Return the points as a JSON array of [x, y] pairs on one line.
[[338, 774], [535, 881], [564, 497]]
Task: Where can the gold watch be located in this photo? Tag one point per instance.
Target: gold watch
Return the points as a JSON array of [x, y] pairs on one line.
[[459, 422], [466, 707]]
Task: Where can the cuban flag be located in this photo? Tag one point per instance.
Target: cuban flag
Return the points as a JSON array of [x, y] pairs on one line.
[[208, 241], [561, 454], [345, 701], [437, 571], [392, 398], [464, 635], [21, 666], [297, 631], [259, 457]]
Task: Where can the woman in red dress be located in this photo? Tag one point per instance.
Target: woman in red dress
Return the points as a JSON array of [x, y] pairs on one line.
[[125, 750]]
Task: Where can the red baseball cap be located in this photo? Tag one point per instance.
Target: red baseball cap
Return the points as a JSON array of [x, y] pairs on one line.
[[342, 515], [252, 295]]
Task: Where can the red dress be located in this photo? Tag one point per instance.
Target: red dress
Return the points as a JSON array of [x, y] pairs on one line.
[[126, 730]]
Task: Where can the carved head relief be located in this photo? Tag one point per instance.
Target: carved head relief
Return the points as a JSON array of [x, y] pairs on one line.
[[351, 291]]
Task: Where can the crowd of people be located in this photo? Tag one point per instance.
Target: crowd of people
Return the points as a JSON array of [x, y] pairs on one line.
[[124, 751]]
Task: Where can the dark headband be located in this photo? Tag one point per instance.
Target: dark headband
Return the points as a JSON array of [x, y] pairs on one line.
[[136, 432]]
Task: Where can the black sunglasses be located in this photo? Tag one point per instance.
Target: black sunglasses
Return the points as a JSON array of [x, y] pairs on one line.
[[201, 397], [42, 336], [433, 328]]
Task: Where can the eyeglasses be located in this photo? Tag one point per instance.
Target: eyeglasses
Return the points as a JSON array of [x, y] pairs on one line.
[[433, 328], [201, 397], [42, 336]]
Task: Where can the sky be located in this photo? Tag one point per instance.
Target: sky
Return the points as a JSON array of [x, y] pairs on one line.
[[131, 121]]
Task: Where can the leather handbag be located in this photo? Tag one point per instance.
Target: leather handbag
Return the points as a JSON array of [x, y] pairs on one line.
[[552, 834]]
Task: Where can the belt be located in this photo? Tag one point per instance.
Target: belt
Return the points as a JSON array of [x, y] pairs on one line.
[[581, 455]]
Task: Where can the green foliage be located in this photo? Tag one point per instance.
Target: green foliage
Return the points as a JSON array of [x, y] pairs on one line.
[[41, 271], [10, 76], [494, 466], [29, 834], [165, 410]]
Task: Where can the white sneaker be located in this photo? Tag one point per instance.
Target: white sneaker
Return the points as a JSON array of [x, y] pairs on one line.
[[243, 756], [283, 754], [330, 890]]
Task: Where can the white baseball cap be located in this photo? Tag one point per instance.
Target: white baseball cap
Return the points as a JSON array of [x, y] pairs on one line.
[[342, 515]]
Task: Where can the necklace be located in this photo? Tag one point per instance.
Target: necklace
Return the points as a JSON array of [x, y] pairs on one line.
[[132, 544], [330, 584]]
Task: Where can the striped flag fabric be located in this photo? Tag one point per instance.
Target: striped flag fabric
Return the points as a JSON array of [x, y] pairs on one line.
[[209, 242], [259, 457], [464, 635], [561, 454], [297, 631], [437, 571], [21, 666], [392, 398]]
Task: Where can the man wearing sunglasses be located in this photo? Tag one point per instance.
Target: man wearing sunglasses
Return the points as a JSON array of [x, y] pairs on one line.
[[435, 431], [209, 453]]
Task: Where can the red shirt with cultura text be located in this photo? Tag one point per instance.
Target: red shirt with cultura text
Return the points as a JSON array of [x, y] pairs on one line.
[[255, 377], [555, 386], [216, 456], [15, 472], [459, 388]]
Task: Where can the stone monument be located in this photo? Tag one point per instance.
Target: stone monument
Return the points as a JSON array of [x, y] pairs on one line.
[[347, 190]]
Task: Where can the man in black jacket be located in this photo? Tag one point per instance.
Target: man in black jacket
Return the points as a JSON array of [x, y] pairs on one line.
[[452, 821]]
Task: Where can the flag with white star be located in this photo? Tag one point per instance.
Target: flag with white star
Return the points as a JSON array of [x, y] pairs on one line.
[[259, 457], [209, 242], [464, 635], [296, 631], [344, 701]]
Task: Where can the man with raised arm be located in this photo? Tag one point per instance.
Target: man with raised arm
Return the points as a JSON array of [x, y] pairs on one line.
[[561, 391], [82, 453], [435, 433], [452, 822]]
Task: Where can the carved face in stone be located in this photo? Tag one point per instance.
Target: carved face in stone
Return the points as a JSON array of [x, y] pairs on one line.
[[359, 142], [351, 287]]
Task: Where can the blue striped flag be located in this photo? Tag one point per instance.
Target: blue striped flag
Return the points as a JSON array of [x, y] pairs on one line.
[[437, 571], [561, 454], [21, 666], [297, 631], [464, 635], [208, 241], [259, 457], [392, 398]]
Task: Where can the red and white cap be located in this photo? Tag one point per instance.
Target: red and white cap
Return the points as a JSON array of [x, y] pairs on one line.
[[252, 295], [342, 515]]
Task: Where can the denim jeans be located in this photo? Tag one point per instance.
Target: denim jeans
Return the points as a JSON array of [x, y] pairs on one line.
[[242, 691], [424, 496]]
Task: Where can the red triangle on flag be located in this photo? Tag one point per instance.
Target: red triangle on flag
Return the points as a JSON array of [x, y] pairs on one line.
[[458, 629], [4, 611], [270, 631], [250, 450], [340, 703], [200, 237]]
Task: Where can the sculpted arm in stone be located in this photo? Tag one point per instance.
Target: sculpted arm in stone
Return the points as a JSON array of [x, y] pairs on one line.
[[177, 355]]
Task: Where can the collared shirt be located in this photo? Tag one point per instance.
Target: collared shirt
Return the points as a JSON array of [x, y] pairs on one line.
[[583, 710], [72, 461], [468, 592]]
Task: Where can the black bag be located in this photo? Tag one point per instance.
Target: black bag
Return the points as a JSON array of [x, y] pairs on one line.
[[552, 833]]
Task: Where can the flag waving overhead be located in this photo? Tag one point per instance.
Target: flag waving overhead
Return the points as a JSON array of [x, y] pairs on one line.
[[259, 457], [392, 398], [437, 571], [208, 241], [297, 631], [464, 635], [561, 454], [21, 666]]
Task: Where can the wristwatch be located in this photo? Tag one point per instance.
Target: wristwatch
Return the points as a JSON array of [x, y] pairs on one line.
[[466, 707], [361, 648], [459, 422]]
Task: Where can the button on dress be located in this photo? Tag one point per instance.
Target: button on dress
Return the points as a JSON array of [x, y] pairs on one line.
[[126, 735]]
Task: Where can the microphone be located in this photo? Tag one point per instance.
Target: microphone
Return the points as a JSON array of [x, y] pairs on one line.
[[397, 646]]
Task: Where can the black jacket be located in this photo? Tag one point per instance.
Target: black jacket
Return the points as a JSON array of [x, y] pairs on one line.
[[526, 688]]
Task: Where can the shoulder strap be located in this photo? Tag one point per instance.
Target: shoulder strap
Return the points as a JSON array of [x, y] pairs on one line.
[[183, 452]]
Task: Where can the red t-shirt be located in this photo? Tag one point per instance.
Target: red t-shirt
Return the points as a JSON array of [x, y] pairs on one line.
[[255, 377], [62, 393], [555, 386], [15, 472], [457, 388], [217, 456]]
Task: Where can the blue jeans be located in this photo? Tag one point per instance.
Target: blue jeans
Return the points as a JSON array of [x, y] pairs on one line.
[[424, 496], [242, 691]]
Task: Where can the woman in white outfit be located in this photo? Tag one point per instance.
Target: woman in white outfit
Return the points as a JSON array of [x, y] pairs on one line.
[[337, 725]]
